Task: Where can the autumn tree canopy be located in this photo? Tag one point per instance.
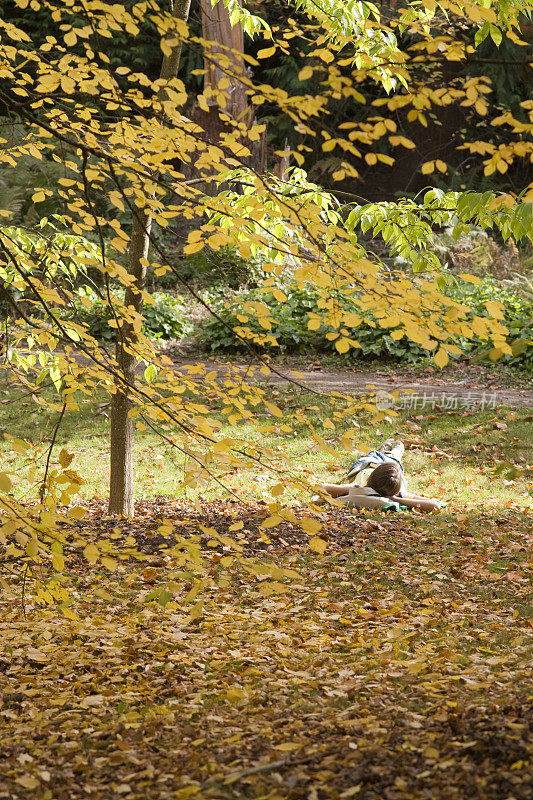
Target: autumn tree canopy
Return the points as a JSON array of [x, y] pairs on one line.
[[150, 169]]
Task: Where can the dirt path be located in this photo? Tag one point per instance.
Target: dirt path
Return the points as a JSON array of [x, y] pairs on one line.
[[464, 388], [463, 391], [414, 393]]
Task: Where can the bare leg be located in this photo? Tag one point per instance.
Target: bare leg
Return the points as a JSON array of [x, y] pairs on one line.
[[394, 448]]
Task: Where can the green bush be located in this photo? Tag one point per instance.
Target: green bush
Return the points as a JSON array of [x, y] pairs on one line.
[[292, 334], [166, 319], [290, 327], [518, 318]]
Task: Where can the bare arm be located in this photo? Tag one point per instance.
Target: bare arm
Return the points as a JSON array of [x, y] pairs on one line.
[[336, 489], [423, 503]]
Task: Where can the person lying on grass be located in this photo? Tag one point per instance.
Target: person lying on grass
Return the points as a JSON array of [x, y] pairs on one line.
[[385, 487]]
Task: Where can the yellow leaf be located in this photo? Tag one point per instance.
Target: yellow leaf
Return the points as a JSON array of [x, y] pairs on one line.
[[67, 84], [236, 695], [286, 747], [267, 52], [441, 357], [103, 593], [277, 412], [325, 55], [202, 102], [305, 73], [109, 563], [342, 345], [5, 483], [58, 562], [441, 166], [70, 39], [77, 512], [465, 276], [32, 548], [317, 544], [495, 308], [20, 446], [116, 199], [197, 611], [187, 793], [91, 553], [189, 249], [428, 167], [272, 521], [65, 458], [310, 525], [268, 588], [28, 782], [351, 792]]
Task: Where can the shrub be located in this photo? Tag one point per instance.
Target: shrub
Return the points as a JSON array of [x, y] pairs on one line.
[[477, 252], [290, 327], [291, 331], [165, 319], [518, 318]]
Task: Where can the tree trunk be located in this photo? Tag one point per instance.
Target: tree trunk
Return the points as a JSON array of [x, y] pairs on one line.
[[223, 61], [121, 498], [121, 473], [216, 27]]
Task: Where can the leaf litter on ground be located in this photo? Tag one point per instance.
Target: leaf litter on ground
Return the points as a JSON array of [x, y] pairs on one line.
[[396, 665]]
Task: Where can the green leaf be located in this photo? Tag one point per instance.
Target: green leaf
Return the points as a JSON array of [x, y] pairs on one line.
[[164, 597]]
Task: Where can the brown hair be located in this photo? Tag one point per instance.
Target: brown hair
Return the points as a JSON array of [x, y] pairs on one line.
[[386, 479]]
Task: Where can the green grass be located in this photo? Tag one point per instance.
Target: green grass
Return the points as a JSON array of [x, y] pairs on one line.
[[475, 441]]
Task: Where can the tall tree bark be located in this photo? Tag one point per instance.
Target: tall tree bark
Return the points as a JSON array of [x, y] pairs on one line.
[[121, 498], [223, 61], [216, 27]]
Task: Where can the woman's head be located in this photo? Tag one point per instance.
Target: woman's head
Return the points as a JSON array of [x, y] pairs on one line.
[[386, 479]]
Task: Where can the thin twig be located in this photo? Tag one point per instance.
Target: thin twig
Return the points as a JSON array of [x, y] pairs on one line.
[[235, 776], [52, 443], [23, 598]]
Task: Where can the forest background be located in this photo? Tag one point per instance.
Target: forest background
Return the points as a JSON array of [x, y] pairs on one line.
[[344, 184]]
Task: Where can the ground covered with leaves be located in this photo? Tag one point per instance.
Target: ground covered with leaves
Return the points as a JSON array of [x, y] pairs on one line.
[[394, 664]]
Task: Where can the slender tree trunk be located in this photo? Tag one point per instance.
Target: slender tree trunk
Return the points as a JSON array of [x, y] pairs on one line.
[[121, 472], [121, 498]]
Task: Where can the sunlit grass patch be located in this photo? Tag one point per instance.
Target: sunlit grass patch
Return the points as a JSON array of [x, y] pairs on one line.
[[449, 455]]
